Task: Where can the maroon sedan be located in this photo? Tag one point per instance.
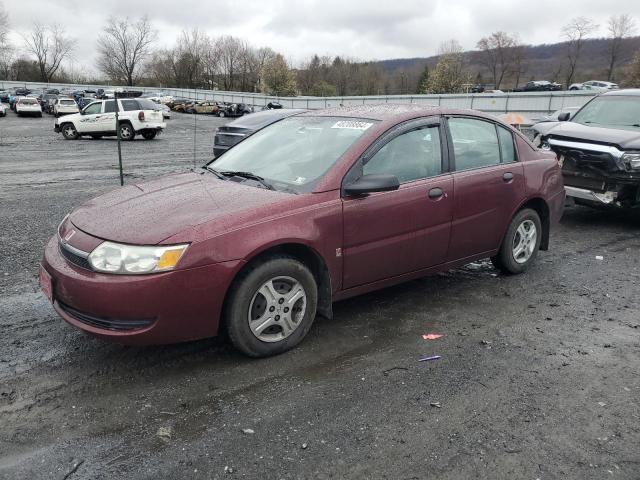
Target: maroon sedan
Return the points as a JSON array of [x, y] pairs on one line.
[[316, 208]]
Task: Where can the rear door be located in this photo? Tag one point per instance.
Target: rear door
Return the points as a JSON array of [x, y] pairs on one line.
[[391, 233], [488, 185]]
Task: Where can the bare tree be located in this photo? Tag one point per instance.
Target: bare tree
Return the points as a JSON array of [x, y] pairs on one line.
[[229, 51], [519, 53], [619, 27], [5, 46], [123, 47], [496, 53], [576, 32], [50, 46], [4, 25]]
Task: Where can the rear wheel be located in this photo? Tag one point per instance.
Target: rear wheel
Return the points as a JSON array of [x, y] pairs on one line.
[[271, 307], [126, 132], [520, 244], [221, 114], [69, 132], [149, 134]]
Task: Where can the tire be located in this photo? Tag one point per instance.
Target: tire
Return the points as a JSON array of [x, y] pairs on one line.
[[286, 325], [521, 243], [149, 134], [221, 114], [69, 131], [127, 133]]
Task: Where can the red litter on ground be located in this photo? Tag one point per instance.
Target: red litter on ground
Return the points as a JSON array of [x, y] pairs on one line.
[[428, 359], [432, 336]]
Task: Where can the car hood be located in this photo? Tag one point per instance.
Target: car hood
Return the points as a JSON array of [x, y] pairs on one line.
[[150, 212], [622, 138]]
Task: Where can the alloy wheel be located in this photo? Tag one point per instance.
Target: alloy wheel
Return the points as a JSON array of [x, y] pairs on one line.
[[524, 241], [277, 309]]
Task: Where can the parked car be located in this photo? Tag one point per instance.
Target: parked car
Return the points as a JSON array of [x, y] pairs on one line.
[[273, 106], [160, 97], [161, 107], [555, 115], [598, 149], [28, 106], [234, 132], [84, 101], [233, 109], [178, 104], [541, 86], [44, 100], [3, 110], [182, 107], [98, 119], [312, 209], [65, 106], [594, 85], [202, 107], [4, 95], [52, 91]]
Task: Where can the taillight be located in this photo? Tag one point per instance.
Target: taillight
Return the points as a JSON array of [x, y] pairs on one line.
[[141, 116]]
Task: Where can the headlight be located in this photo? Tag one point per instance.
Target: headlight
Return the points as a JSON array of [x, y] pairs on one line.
[[632, 160], [130, 259]]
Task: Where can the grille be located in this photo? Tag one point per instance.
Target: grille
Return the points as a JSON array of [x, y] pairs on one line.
[[74, 258], [105, 323]]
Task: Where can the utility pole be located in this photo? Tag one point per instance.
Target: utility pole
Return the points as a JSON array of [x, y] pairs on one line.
[[116, 97]]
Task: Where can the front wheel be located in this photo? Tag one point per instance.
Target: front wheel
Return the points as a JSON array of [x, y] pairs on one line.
[[149, 135], [69, 132], [521, 243], [272, 306], [221, 114]]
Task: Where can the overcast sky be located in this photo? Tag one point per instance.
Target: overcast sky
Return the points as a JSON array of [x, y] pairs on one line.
[[364, 29]]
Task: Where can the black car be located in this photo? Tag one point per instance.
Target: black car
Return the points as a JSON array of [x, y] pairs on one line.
[[4, 95], [598, 149], [47, 100], [233, 109], [233, 133], [541, 86]]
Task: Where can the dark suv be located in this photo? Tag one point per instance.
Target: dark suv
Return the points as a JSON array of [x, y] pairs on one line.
[[599, 149]]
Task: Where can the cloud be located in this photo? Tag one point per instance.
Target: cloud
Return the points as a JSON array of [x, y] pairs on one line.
[[363, 29]]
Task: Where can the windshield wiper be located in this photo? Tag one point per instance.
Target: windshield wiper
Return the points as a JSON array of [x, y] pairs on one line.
[[214, 171], [248, 175]]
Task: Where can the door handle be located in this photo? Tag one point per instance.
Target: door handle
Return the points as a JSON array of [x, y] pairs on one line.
[[435, 193], [507, 177]]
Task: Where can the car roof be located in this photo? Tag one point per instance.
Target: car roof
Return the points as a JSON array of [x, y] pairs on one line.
[[265, 117], [394, 112], [629, 92]]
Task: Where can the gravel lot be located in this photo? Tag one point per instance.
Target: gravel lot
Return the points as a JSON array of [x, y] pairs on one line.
[[539, 376]]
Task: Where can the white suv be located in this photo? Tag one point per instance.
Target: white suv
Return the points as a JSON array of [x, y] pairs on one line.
[[98, 119], [65, 106]]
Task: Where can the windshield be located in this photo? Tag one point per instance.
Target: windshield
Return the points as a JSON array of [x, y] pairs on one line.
[[615, 111], [295, 152]]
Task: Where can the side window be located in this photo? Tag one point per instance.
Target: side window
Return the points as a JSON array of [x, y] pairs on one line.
[[93, 109], [410, 156], [129, 105], [110, 106], [506, 145], [475, 143]]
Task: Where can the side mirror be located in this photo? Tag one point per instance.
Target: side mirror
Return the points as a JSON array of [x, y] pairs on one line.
[[371, 184], [564, 116]]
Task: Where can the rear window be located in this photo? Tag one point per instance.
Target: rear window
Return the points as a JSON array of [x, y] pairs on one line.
[[147, 104], [28, 101], [129, 105], [67, 102]]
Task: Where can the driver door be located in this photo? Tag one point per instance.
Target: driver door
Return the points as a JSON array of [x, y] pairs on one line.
[[107, 121], [388, 234], [90, 118]]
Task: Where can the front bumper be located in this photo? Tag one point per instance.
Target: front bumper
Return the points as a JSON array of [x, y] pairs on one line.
[[161, 308], [606, 198]]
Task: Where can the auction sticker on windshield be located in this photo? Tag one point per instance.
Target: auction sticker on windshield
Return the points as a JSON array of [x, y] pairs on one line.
[[353, 125]]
